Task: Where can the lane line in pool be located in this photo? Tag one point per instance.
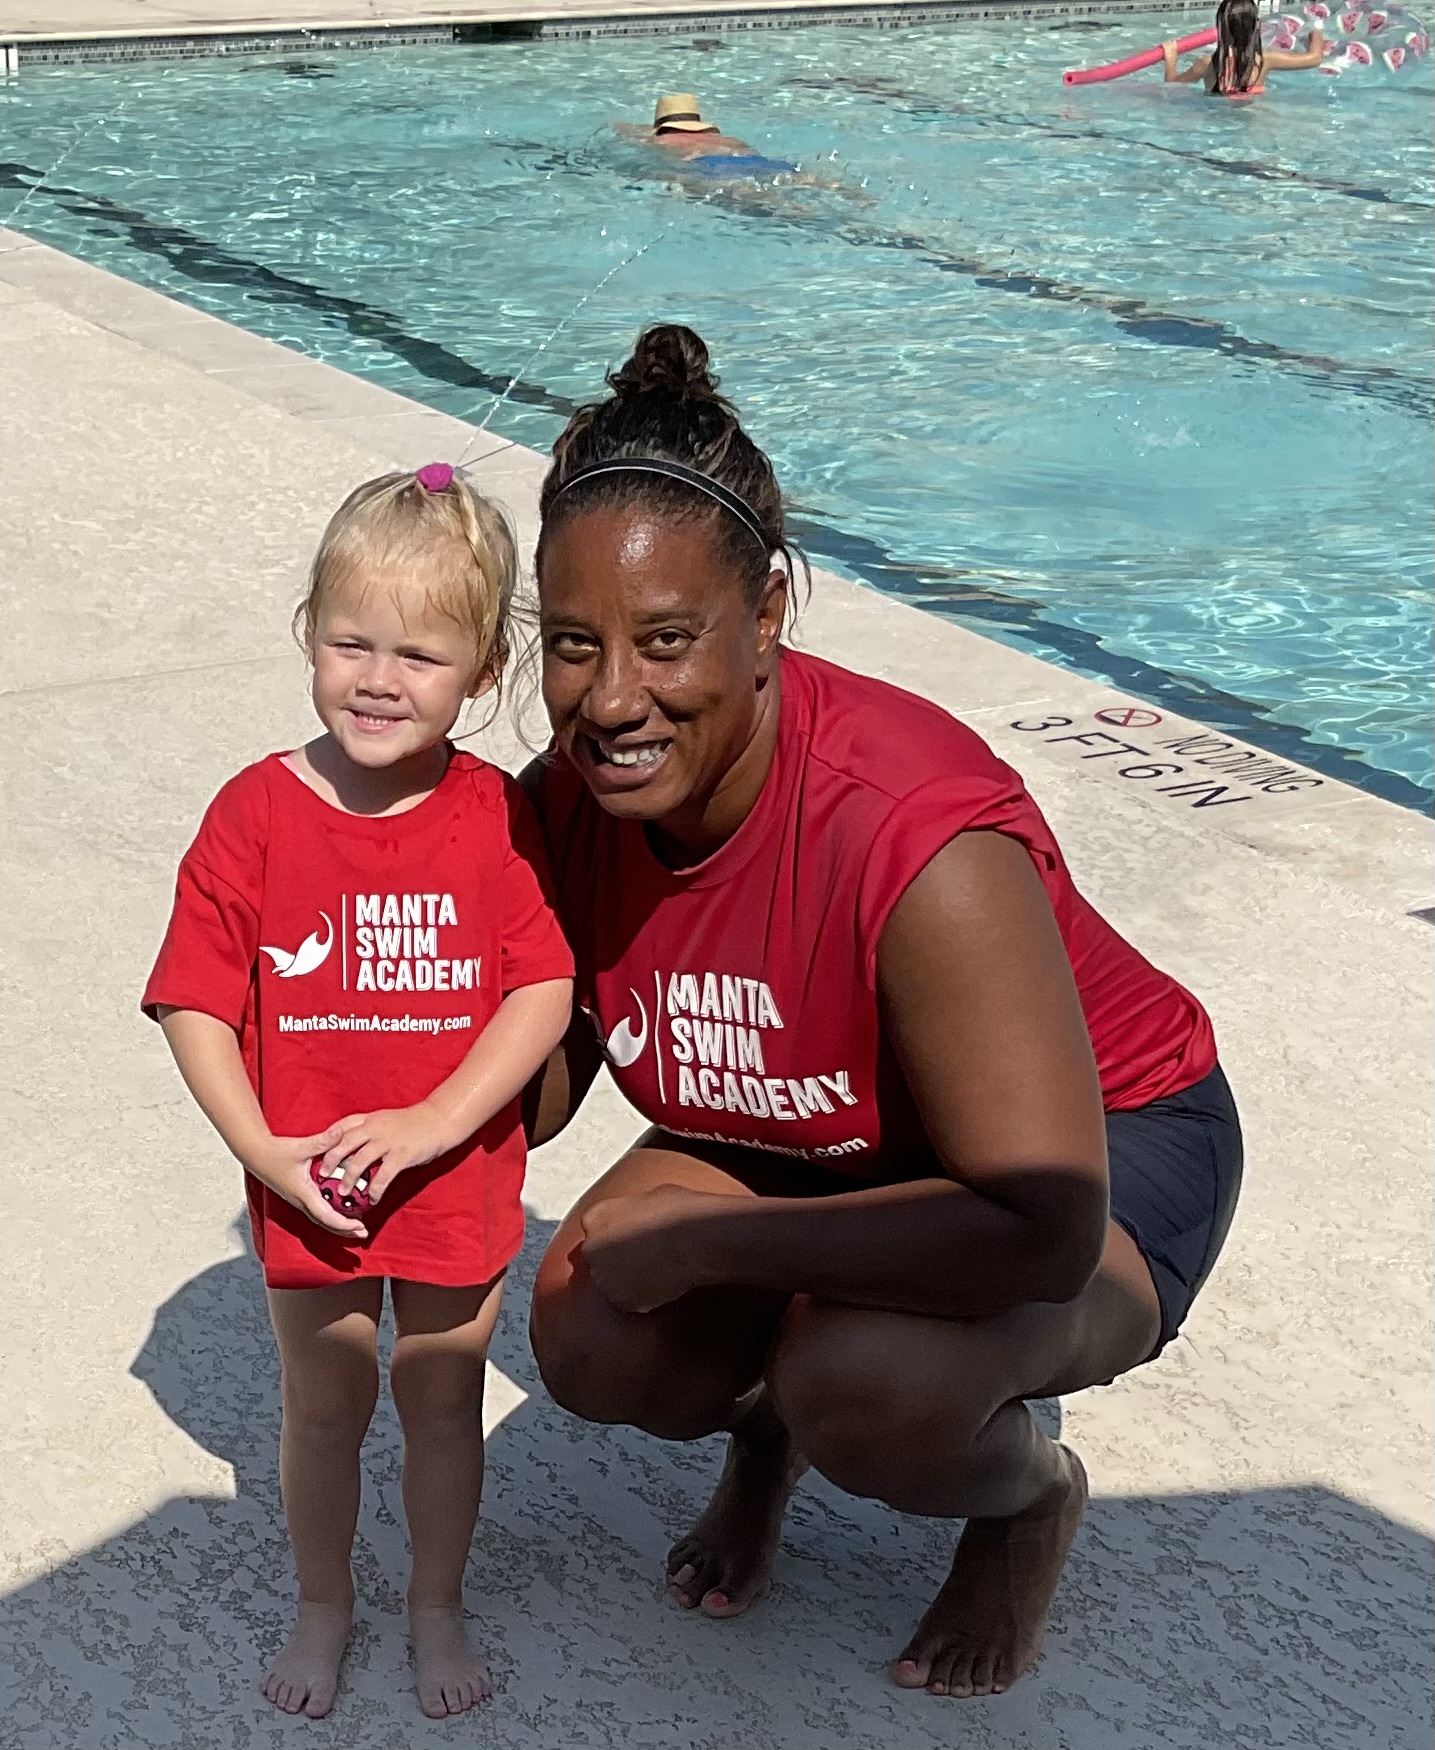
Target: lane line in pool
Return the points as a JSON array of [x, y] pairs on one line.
[[205, 262], [924, 107], [1184, 693], [1133, 316], [1145, 322]]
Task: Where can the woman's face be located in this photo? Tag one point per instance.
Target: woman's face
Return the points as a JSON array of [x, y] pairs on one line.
[[655, 662]]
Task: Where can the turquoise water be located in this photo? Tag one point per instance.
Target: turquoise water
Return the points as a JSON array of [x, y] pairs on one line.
[[1124, 375]]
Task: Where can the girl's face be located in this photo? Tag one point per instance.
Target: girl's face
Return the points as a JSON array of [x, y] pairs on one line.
[[391, 673], [654, 660]]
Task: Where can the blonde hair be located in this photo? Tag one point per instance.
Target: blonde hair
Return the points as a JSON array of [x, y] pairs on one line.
[[455, 544]]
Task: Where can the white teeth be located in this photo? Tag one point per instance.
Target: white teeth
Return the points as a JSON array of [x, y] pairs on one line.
[[635, 756]]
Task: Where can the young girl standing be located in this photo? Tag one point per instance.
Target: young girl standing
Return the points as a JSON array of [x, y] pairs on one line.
[[361, 973]]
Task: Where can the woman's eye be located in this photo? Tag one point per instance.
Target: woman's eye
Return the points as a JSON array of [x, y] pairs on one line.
[[571, 646], [669, 642]]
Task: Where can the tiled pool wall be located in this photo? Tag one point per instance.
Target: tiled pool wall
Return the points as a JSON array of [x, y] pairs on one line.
[[64, 51]]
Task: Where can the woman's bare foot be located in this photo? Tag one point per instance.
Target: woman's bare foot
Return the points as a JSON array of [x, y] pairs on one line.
[[305, 1677], [449, 1676], [985, 1625], [723, 1564]]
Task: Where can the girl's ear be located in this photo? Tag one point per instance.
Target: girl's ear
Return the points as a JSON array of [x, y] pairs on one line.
[[484, 682]]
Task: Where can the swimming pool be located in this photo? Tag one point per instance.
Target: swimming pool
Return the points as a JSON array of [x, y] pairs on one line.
[[1136, 380]]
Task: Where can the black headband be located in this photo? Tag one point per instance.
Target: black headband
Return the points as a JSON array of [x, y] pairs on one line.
[[739, 507]]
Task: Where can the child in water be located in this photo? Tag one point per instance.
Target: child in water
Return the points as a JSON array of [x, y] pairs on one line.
[[360, 974], [1240, 63]]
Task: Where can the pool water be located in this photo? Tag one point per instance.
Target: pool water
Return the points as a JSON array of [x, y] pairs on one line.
[[1129, 377]]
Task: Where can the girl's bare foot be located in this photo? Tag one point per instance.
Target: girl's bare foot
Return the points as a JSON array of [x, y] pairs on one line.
[[449, 1676], [305, 1677], [723, 1564], [985, 1625]]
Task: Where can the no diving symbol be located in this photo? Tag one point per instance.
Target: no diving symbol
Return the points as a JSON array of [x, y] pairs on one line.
[[1128, 716]]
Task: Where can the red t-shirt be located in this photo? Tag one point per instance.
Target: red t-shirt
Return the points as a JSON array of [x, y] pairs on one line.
[[737, 999], [359, 959]]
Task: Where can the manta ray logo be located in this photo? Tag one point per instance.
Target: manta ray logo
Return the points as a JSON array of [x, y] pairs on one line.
[[624, 1047], [307, 957]]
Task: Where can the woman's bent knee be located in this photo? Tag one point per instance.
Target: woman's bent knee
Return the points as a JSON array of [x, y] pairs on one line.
[[849, 1384], [620, 1369]]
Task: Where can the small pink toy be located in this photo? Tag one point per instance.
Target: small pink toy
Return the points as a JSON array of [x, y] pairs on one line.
[[356, 1204]]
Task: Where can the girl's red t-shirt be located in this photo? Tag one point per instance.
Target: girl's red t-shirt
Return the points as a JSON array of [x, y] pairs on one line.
[[737, 999], [358, 959]]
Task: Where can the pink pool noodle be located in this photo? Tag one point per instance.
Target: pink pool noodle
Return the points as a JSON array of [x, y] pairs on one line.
[[1134, 63]]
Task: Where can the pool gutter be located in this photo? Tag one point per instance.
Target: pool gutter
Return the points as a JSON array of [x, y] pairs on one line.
[[496, 22]]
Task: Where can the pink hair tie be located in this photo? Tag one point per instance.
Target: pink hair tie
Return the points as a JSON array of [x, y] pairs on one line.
[[435, 476]]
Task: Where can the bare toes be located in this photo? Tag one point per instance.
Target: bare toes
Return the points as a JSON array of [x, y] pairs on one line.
[[983, 1674], [909, 1671]]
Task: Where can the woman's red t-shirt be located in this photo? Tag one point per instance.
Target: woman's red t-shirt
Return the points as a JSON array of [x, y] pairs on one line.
[[358, 959], [737, 999]]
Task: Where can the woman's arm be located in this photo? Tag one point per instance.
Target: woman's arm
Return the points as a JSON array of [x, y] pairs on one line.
[[498, 1066], [1197, 69], [982, 1012], [551, 1100], [1283, 60], [207, 1052]]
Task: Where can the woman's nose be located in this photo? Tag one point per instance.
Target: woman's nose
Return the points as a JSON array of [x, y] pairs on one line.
[[616, 695]]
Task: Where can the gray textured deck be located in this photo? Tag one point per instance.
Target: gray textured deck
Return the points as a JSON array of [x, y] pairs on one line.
[[1255, 1568]]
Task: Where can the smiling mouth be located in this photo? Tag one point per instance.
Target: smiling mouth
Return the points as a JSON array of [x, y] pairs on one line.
[[373, 720], [629, 759]]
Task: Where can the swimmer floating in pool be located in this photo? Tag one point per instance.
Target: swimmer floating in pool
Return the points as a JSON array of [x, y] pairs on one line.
[[680, 130], [1239, 65]]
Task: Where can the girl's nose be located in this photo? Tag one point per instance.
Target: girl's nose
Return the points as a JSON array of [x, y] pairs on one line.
[[379, 675]]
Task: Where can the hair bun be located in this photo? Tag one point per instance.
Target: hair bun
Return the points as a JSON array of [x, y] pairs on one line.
[[668, 360]]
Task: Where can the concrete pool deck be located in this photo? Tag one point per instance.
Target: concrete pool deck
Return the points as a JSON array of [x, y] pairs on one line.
[[1255, 1569]]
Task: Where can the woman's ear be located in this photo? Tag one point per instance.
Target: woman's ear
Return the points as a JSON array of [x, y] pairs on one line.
[[771, 616]]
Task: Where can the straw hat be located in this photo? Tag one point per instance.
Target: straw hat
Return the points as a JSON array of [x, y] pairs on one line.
[[679, 113]]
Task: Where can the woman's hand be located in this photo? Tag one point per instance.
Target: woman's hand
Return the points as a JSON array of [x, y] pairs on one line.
[[282, 1163], [641, 1251], [381, 1145]]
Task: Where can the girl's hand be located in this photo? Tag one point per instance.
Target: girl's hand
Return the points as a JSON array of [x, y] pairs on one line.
[[1168, 52], [640, 1250], [284, 1168], [381, 1145]]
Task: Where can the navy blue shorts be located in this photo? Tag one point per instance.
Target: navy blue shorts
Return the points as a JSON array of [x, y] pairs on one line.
[[1175, 1178]]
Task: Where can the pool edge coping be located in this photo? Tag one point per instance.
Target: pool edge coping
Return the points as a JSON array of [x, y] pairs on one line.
[[384, 422], [220, 38]]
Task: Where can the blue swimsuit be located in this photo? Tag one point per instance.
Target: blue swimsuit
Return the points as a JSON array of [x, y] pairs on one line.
[[723, 164]]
